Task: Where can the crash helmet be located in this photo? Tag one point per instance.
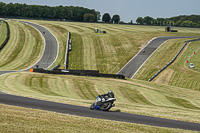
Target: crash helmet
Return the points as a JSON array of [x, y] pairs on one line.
[[111, 94]]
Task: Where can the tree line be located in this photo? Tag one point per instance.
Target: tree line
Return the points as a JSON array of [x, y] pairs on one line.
[[182, 20], [107, 18], [57, 12]]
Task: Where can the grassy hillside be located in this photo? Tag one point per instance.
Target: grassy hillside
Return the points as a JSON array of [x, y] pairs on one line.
[[160, 58], [182, 75], [24, 48], [106, 52], [3, 32], [135, 96], [178, 74]]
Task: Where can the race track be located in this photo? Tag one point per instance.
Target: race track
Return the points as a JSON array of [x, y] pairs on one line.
[[85, 111], [50, 54], [51, 47], [131, 68]]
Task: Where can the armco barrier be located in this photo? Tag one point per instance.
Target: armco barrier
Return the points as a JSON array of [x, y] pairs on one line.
[[67, 51], [7, 38], [91, 73], [80, 71], [186, 42]]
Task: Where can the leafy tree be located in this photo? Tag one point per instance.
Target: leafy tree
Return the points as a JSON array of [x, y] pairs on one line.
[[106, 18], [188, 23], [139, 20], [182, 20], [98, 15], [178, 23], [89, 17], [116, 19], [148, 20], [37, 11], [122, 22]]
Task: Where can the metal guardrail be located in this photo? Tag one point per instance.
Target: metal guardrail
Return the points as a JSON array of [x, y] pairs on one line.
[[186, 42]]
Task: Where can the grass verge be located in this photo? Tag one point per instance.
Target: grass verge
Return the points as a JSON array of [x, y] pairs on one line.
[[178, 74], [24, 48], [19, 119], [3, 32]]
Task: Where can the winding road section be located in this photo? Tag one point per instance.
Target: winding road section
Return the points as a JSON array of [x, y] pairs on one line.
[[51, 47], [50, 54], [132, 67]]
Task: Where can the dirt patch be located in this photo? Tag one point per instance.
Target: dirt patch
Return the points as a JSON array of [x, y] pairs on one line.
[[164, 78]]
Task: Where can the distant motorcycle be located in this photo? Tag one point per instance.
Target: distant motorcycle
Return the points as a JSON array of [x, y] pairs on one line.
[[104, 102]]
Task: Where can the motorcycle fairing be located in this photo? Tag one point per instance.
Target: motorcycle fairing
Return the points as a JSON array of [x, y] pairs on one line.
[[97, 107], [97, 100]]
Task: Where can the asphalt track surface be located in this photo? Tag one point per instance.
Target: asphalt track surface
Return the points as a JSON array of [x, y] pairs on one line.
[[131, 68], [50, 49], [85, 111], [47, 59]]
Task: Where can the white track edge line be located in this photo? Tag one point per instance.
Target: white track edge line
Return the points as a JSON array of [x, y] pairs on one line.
[[45, 44], [148, 58], [134, 56]]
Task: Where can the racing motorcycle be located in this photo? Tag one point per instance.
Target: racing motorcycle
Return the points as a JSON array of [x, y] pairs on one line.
[[104, 102]]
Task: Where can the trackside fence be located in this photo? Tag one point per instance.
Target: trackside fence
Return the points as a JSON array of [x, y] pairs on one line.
[[67, 51], [7, 38], [186, 42], [91, 73]]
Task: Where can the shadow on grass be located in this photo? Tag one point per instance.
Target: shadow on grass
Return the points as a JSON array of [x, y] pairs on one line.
[[117, 110]]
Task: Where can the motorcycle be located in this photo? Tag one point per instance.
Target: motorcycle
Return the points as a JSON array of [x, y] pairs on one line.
[[104, 102]]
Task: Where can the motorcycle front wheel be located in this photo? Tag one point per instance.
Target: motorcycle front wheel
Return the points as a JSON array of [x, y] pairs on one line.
[[92, 106], [106, 106]]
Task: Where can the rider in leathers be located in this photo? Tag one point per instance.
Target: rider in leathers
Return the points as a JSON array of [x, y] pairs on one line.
[[109, 94]]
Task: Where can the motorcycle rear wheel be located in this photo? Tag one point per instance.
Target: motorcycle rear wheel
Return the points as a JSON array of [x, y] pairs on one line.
[[106, 106]]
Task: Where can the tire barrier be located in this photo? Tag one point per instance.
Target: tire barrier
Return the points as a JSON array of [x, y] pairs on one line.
[[7, 38], [68, 48], [186, 42], [91, 73]]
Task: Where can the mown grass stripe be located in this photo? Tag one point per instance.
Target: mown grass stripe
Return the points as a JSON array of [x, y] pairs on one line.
[[20, 41], [133, 96], [3, 33], [182, 102], [23, 49]]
